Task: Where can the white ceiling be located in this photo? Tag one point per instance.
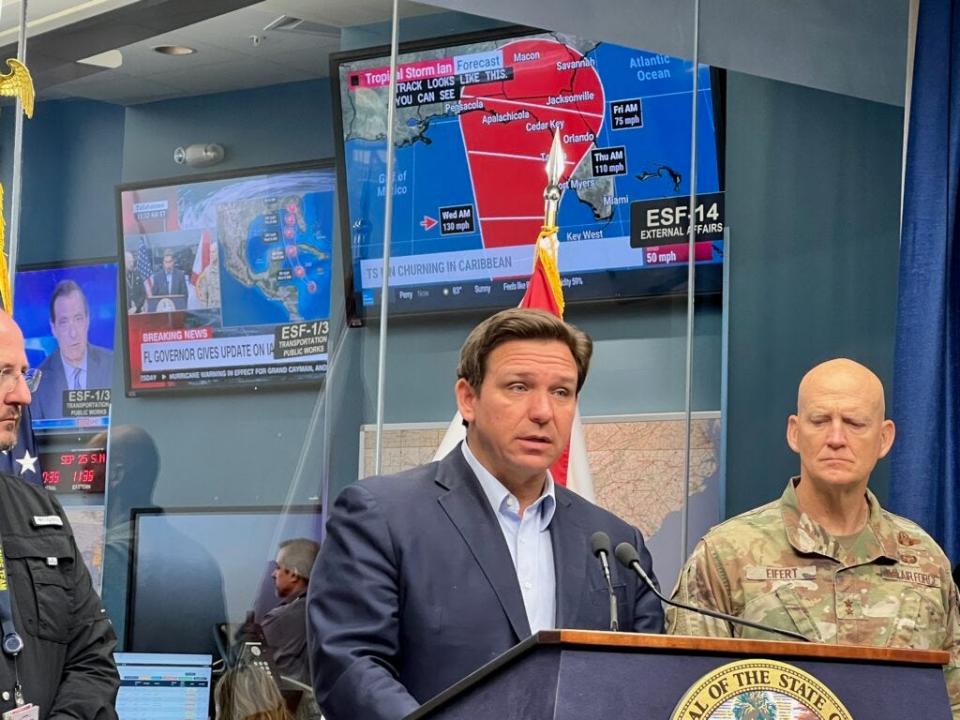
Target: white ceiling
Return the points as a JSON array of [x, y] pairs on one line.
[[227, 57], [46, 15]]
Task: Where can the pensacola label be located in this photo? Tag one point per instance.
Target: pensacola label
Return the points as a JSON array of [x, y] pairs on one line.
[[761, 689]]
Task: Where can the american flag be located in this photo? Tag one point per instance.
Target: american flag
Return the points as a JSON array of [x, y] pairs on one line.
[[144, 260], [23, 460]]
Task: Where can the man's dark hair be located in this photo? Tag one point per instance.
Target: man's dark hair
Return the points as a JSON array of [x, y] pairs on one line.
[[66, 287], [520, 324]]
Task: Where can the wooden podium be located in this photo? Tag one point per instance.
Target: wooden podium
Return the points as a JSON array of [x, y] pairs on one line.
[[586, 675]]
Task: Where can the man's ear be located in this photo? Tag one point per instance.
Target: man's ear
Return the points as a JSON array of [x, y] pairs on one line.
[[888, 431], [793, 430], [466, 397]]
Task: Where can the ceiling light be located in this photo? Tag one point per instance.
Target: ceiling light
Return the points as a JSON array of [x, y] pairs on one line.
[[111, 59], [174, 50]]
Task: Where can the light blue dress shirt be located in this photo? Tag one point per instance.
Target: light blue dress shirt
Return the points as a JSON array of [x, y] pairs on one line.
[[75, 381], [528, 539]]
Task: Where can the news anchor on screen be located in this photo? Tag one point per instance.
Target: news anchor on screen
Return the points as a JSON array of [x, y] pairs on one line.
[[76, 364], [425, 576]]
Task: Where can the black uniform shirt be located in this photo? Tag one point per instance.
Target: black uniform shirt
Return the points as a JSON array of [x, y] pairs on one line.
[[66, 666]]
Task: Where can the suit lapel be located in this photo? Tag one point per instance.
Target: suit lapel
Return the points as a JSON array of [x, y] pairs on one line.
[[570, 549], [469, 510]]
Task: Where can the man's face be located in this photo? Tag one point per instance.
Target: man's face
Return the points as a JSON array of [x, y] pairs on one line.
[[168, 263], [13, 359], [520, 418], [839, 430], [285, 581], [70, 325]]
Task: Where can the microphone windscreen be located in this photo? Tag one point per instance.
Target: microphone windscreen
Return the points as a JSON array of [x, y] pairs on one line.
[[626, 554], [600, 543]]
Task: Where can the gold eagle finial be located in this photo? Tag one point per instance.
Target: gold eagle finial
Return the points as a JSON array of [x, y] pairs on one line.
[[18, 83]]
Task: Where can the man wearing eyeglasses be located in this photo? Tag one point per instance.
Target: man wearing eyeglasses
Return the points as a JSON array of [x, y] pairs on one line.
[[284, 627], [55, 634]]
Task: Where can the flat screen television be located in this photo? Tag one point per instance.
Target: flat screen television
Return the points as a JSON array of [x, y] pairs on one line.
[[475, 118], [227, 278], [195, 568], [67, 313]]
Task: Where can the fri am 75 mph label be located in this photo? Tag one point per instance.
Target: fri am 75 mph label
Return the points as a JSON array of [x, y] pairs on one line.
[[299, 339]]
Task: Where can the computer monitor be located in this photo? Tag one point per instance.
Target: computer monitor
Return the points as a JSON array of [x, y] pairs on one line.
[[194, 568], [163, 686]]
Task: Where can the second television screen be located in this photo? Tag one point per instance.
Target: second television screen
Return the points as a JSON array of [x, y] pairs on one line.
[[227, 278]]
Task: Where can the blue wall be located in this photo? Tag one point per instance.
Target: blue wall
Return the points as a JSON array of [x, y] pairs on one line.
[[813, 206], [71, 161]]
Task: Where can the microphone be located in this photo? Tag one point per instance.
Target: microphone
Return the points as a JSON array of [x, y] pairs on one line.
[[600, 545], [628, 557]]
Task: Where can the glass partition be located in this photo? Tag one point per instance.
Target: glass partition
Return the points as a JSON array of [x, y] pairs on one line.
[[813, 177], [233, 283], [623, 113]]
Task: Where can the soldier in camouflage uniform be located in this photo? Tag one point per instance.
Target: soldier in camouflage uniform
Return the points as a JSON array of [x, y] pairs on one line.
[[825, 560]]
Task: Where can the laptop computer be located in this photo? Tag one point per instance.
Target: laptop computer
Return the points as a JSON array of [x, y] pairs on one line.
[[163, 686]]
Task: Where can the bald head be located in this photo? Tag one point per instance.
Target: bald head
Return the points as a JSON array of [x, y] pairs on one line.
[[9, 330], [13, 362], [842, 375], [839, 430]]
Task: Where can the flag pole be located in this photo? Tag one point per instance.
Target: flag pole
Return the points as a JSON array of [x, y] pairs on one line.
[[691, 278], [387, 237], [14, 236]]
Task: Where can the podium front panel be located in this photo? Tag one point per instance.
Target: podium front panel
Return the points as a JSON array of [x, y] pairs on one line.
[[565, 683]]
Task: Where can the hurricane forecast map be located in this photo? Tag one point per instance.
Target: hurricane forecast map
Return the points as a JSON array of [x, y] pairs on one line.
[[473, 126], [246, 298]]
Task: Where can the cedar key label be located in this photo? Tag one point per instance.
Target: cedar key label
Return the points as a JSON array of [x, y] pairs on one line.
[[759, 690]]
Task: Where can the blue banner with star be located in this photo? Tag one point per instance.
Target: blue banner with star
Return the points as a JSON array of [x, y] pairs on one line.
[[23, 461]]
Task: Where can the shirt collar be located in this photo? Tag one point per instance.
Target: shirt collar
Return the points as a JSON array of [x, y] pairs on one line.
[[500, 497], [69, 367], [808, 536]]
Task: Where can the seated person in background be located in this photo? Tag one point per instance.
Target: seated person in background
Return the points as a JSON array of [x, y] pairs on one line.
[[426, 575], [825, 560], [285, 626], [246, 692]]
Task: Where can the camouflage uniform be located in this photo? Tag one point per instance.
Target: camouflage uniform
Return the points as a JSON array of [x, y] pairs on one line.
[[890, 586]]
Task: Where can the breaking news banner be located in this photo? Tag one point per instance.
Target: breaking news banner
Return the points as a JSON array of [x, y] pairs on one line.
[[228, 278]]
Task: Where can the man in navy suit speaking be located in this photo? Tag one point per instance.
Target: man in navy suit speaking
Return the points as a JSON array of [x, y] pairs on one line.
[[169, 280], [426, 575], [75, 364]]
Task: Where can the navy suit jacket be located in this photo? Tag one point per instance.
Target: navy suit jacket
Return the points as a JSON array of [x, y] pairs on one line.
[[48, 399], [414, 588], [178, 286]]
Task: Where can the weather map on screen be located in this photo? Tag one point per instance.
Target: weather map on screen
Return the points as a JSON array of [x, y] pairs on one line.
[[227, 278], [473, 126]]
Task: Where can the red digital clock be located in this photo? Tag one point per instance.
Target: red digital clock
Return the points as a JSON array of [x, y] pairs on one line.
[[75, 471]]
